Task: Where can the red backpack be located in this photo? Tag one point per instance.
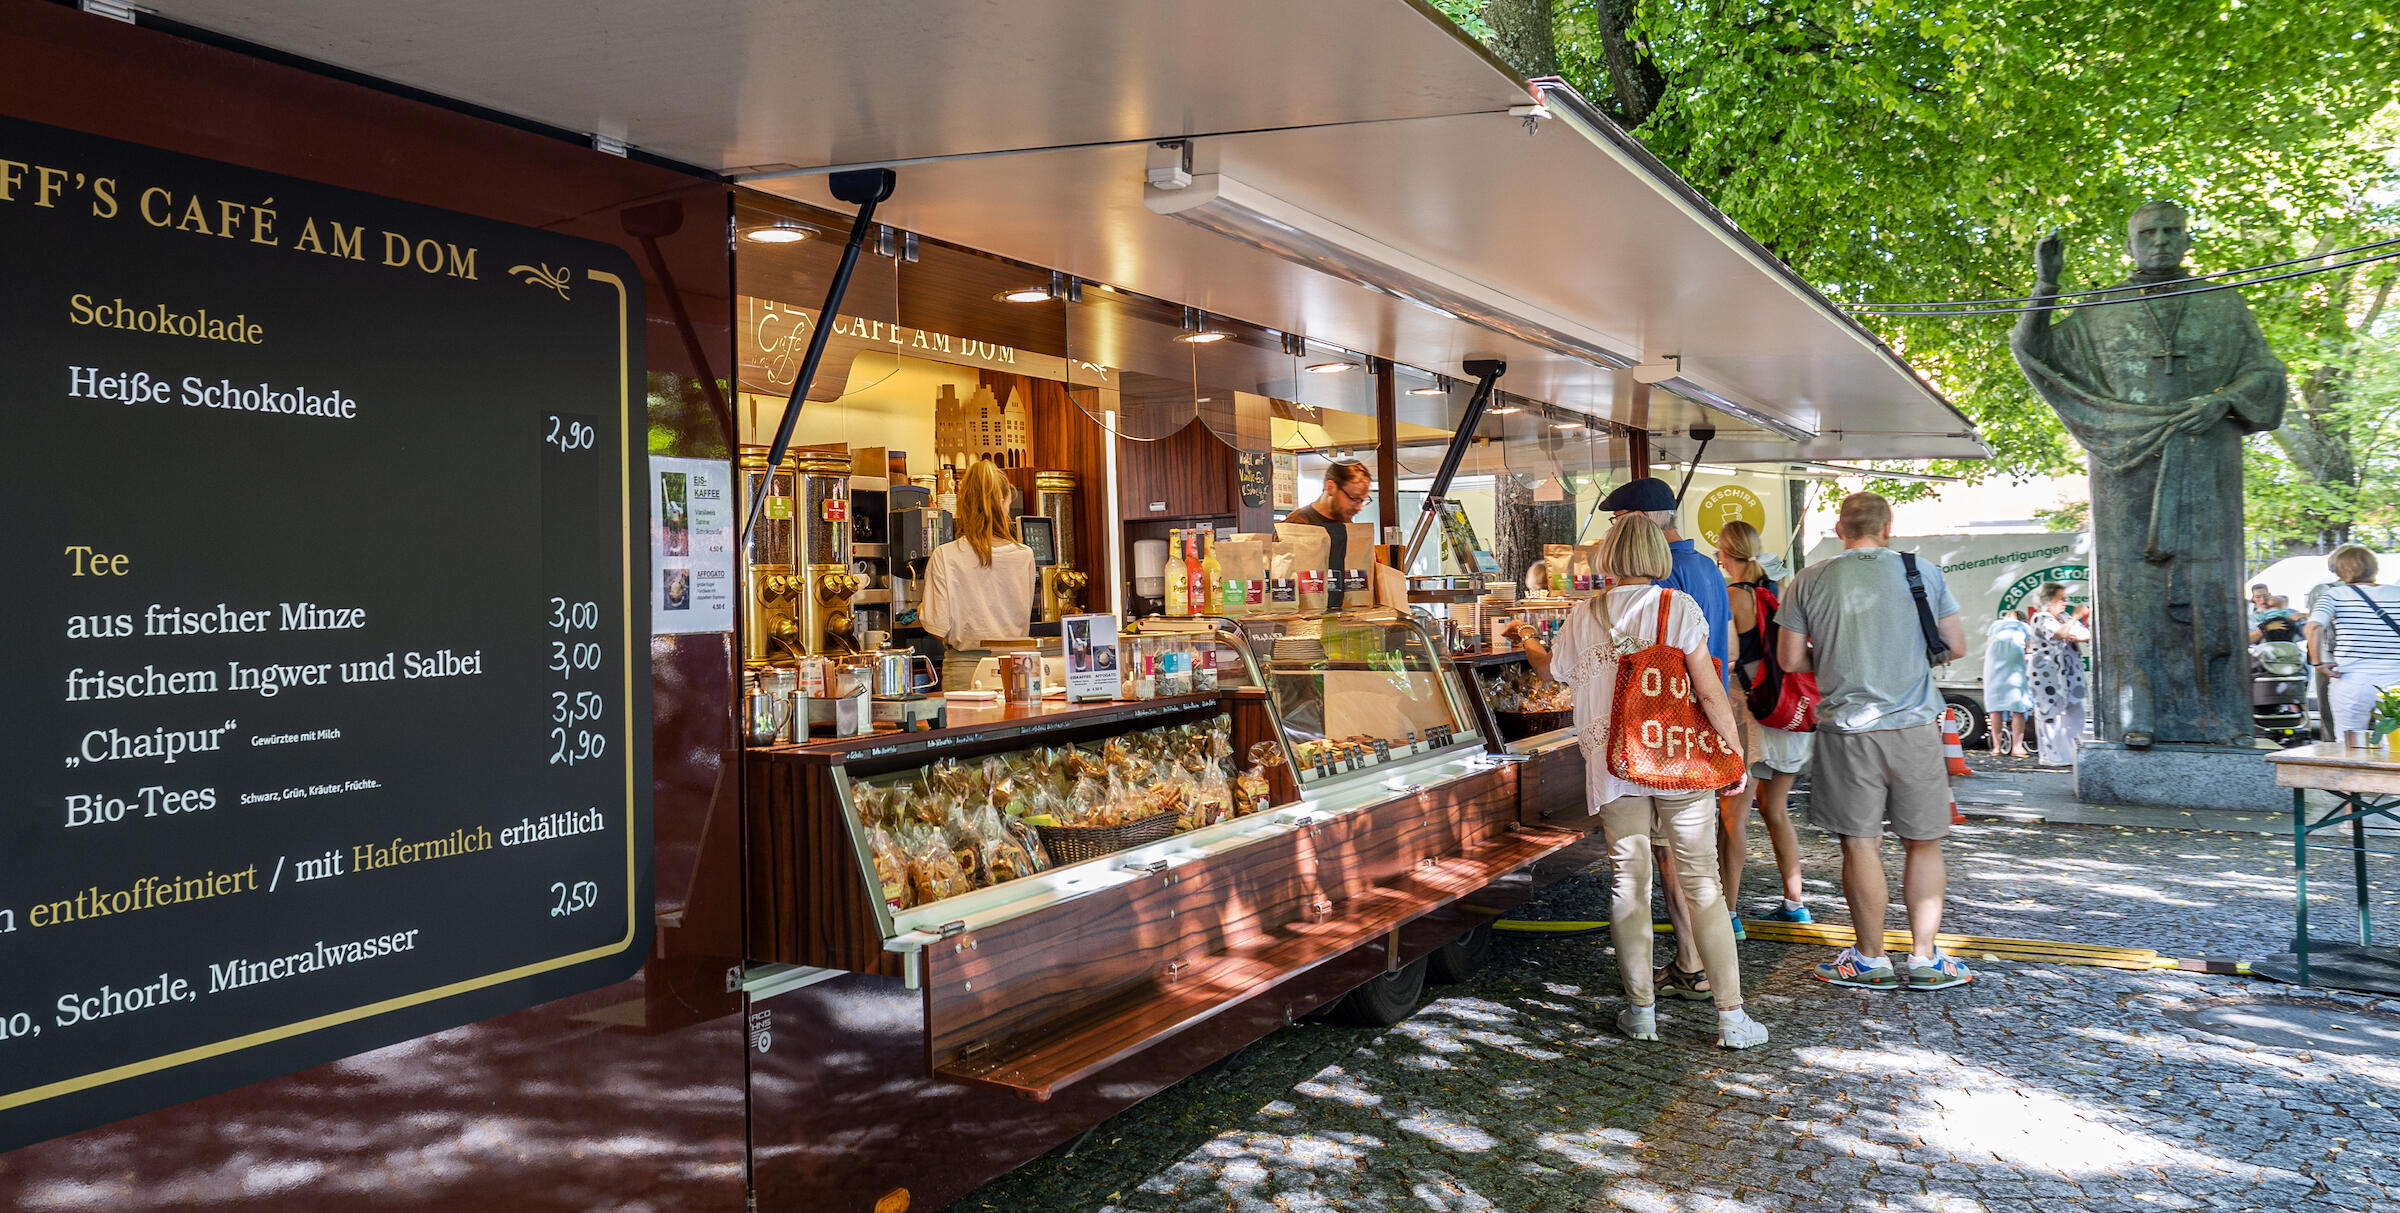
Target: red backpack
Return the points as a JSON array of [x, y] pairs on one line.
[[1779, 698]]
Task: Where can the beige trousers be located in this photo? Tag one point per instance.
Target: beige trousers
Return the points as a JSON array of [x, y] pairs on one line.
[[1688, 828]]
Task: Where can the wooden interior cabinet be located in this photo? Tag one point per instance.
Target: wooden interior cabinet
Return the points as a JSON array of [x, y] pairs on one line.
[[1187, 475]]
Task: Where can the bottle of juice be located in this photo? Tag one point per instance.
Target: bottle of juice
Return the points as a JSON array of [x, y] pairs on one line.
[[1195, 593], [1212, 574], [1178, 573]]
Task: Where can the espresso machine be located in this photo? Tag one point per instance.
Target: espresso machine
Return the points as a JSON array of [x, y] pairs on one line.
[[1063, 580], [825, 581]]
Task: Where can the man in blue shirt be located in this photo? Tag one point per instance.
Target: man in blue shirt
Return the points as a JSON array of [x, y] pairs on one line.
[[1698, 576], [1695, 573]]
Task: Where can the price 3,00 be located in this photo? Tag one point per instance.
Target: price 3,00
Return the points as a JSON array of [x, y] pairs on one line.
[[579, 745], [571, 659]]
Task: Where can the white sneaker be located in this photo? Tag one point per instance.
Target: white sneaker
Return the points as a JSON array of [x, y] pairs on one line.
[[1639, 1023], [1736, 1030]]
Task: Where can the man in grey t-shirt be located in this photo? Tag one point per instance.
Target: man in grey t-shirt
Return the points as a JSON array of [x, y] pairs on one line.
[[1879, 747]]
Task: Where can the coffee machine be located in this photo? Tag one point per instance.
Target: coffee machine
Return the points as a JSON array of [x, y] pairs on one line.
[[1063, 579]]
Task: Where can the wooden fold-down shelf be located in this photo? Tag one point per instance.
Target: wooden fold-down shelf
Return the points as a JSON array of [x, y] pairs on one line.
[[1043, 1057]]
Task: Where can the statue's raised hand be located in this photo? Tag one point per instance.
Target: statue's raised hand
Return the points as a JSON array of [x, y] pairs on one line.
[[2050, 257]]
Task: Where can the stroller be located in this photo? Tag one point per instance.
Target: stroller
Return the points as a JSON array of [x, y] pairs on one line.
[[2279, 691]]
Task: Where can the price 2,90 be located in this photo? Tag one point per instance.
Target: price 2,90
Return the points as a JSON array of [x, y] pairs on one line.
[[570, 434], [571, 746]]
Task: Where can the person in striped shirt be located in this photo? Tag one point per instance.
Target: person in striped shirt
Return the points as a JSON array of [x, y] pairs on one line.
[[2365, 653]]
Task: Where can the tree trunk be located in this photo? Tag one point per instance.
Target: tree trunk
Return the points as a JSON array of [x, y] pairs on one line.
[[1636, 84], [2316, 435], [1523, 526], [1523, 35]]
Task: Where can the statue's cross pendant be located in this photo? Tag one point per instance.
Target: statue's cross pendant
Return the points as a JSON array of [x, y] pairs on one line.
[[2166, 357]]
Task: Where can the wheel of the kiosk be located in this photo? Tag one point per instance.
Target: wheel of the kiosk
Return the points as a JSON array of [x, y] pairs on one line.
[[1463, 957], [1963, 714], [1384, 1001]]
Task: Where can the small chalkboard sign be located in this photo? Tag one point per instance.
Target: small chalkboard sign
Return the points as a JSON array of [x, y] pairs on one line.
[[1254, 469]]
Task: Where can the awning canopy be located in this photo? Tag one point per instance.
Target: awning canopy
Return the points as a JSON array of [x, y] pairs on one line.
[[1367, 183]]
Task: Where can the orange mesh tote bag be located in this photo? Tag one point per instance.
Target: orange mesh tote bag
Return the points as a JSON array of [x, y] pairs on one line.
[[1657, 736]]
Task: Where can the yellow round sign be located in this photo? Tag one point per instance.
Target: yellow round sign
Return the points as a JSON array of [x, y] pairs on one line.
[[1724, 504]]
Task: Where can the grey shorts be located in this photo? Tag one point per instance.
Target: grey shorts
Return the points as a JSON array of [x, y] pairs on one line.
[[1863, 782]]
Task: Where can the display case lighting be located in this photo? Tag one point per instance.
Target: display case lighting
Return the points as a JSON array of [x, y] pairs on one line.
[[781, 231]]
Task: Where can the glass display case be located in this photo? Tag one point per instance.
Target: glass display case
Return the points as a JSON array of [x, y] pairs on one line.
[[1358, 691], [992, 819]]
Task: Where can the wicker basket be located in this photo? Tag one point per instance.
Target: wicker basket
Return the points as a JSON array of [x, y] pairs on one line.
[[1074, 844], [1517, 726]]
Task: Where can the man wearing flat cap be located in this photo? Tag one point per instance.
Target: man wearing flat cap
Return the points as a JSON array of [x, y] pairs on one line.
[[1695, 573]]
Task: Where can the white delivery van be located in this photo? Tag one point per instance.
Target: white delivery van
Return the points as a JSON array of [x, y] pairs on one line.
[[1989, 574]]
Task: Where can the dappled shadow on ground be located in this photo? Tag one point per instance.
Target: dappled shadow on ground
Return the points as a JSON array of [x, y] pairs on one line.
[[2038, 1087]]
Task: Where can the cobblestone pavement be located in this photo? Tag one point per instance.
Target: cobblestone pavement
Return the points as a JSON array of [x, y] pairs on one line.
[[2037, 1088]]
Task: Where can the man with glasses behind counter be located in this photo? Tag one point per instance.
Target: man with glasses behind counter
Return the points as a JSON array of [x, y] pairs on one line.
[[1348, 485]]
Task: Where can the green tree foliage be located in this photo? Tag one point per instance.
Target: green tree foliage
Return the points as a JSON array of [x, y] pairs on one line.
[[1908, 150]]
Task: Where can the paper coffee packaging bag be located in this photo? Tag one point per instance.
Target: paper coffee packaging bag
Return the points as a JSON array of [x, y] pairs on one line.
[[1358, 582], [1310, 548]]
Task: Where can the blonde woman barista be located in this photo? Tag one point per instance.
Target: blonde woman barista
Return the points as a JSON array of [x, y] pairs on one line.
[[979, 586]]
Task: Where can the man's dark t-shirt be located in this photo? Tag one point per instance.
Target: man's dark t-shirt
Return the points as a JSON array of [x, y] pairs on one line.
[[1337, 555]]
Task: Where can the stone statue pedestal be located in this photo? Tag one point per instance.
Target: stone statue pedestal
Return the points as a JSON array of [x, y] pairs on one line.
[[2176, 775]]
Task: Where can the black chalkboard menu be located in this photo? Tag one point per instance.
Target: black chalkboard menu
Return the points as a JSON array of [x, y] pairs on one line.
[[1253, 471], [325, 690]]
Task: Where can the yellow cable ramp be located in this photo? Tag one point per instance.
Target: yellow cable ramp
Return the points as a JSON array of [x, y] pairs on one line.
[[1835, 935]]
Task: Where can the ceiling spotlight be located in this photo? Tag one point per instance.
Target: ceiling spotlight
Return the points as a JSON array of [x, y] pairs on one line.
[[1566, 425], [1197, 331], [1439, 387], [781, 231], [1025, 294], [1329, 368], [1503, 410]]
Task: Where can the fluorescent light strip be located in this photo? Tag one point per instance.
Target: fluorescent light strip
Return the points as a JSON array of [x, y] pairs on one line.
[[1246, 215], [1223, 205]]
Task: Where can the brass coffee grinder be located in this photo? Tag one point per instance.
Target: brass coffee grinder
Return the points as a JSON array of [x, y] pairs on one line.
[[821, 480], [769, 572], [1053, 497]]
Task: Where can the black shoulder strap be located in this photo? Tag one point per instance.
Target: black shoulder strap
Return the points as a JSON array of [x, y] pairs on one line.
[[1925, 623], [2377, 607]]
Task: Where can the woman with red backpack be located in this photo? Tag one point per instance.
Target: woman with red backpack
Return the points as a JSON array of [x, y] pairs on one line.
[[1777, 755], [1658, 741]]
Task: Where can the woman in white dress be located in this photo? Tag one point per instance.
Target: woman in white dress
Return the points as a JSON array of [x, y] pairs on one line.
[[2054, 665], [1634, 556]]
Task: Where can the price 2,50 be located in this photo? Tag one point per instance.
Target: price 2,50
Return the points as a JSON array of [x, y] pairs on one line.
[[581, 895]]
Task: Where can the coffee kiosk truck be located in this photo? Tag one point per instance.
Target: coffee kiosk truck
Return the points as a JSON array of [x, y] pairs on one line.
[[484, 456]]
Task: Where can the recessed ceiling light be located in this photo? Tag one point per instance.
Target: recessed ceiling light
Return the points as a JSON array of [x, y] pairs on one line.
[[1435, 390], [1566, 425], [1025, 294], [1204, 336], [1329, 368], [1503, 409], [782, 231]]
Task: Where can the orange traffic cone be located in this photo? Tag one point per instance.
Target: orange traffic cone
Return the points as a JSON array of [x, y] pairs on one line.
[[1956, 818], [1954, 753]]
